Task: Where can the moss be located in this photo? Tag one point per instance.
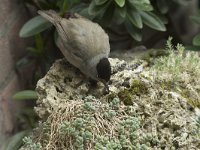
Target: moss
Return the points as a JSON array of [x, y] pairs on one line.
[[111, 96], [190, 99], [138, 87], [125, 96], [194, 102], [167, 85], [198, 91]]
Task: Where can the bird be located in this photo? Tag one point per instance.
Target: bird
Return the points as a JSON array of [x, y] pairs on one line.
[[83, 43]]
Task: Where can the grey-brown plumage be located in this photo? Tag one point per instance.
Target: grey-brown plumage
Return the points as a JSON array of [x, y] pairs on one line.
[[83, 43]]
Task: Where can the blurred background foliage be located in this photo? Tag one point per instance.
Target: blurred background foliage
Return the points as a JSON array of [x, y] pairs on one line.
[[122, 19], [128, 22]]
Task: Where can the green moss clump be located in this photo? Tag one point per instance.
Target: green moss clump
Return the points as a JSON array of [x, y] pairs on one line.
[[198, 91], [111, 96], [190, 98], [125, 96], [194, 102], [167, 85], [138, 87]]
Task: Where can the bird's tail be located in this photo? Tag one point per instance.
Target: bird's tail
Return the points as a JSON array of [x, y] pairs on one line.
[[50, 15]]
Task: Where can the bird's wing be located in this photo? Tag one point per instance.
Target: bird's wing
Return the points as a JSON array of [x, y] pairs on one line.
[[86, 39], [81, 38]]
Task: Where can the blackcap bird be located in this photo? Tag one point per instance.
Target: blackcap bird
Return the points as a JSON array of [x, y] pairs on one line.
[[83, 43]]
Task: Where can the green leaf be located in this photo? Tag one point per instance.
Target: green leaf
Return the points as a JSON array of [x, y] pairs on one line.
[[39, 43], [119, 15], [94, 9], [84, 12], [196, 19], [24, 95], [108, 15], [135, 18], [163, 6], [65, 6], [34, 26], [152, 21], [143, 5], [100, 2], [134, 32], [121, 11], [196, 40], [120, 3], [15, 141], [82, 9], [162, 18]]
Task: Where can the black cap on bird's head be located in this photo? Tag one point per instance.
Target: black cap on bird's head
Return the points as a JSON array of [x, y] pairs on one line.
[[104, 69]]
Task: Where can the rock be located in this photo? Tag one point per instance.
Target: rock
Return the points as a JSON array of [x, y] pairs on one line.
[[143, 109]]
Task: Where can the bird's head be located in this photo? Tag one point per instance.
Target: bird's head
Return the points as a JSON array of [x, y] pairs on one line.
[[104, 71]]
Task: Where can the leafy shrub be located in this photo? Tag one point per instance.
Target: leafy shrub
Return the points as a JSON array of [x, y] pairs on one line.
[[129, 15]]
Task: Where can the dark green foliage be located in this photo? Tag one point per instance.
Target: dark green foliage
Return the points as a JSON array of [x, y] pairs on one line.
[[34, 26], [26, 94], [134, 14]]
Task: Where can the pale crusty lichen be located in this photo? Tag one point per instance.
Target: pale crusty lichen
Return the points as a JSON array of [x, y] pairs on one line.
[[146, 109]]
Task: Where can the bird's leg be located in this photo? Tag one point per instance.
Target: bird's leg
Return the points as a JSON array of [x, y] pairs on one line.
[[92, 84], [106, 88]]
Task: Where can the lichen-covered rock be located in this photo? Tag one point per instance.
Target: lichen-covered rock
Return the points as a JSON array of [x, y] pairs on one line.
[[147, 107], [59, 86]]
